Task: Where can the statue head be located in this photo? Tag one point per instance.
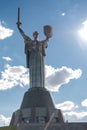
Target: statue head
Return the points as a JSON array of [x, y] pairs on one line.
[[35, 34]]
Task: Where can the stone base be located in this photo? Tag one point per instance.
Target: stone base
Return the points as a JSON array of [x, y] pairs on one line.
[[37, 107], [60, 126]]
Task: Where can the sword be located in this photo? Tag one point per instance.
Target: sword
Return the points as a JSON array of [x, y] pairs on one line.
[[18, 22]]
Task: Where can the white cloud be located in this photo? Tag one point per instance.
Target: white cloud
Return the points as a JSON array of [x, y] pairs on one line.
[[5, 32], [71, 112], [73, 116], [13, 76], [66, 106], [84, 103], [4, 121], [6, 58], [55, 78]]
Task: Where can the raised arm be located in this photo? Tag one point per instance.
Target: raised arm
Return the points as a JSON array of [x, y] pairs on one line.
[[19, 28], [22, 33]]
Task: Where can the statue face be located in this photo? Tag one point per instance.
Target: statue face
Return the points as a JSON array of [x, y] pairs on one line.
[[35, 35]]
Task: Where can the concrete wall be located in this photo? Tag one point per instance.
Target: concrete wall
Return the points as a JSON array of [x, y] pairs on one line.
[[65, 126], [34, 115]]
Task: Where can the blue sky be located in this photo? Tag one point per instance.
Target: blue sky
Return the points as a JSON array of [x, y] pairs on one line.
[[66, 60]]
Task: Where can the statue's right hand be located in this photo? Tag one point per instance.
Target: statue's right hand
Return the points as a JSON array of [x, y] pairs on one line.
[[18, 24]]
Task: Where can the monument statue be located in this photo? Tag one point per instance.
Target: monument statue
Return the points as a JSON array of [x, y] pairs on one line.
[[35, 53], [37, 110]]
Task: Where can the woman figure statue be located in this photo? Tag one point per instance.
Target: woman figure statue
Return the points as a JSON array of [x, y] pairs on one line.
[[35, 53]]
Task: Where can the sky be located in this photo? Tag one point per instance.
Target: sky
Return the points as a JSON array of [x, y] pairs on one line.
[[66, 55]]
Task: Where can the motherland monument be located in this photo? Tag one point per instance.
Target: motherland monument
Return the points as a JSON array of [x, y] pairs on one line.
[[37, 105], [37, 110]]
